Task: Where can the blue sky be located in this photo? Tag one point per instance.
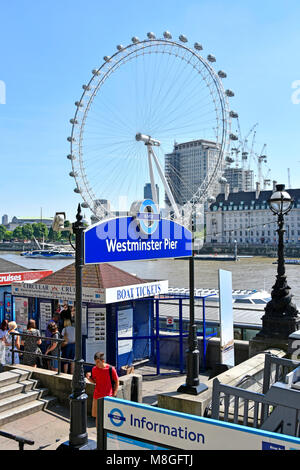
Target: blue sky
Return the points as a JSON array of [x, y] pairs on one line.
[[48, 49]]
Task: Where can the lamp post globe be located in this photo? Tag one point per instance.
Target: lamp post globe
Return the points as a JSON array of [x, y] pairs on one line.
[[280, 201]]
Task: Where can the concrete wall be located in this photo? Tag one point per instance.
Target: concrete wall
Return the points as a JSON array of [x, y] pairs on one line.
[[169, 351], [197, 404], [60, 385]]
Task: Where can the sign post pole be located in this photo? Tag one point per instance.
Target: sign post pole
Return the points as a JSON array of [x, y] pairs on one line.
[[192, 385]]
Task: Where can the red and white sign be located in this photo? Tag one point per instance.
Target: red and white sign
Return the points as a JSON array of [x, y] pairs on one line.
[[9, 278], [170, 321]]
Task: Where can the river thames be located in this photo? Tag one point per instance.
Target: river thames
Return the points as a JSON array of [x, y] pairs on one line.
[[247, 273]]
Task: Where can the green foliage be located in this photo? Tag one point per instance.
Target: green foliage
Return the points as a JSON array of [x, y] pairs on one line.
[[3, 231], [40, 231], [18, 233], [27, 231]]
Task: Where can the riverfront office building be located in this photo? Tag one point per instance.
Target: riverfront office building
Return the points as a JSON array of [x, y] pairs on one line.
[[246, 217], [187, 167]]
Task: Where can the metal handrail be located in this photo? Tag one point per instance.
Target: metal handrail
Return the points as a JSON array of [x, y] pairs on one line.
[[58, 357], [21, 440], [47, 338]]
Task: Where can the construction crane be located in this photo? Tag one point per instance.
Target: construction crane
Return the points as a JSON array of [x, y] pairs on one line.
[[289, 179], [267, 180], [261, 158], [241, 147]]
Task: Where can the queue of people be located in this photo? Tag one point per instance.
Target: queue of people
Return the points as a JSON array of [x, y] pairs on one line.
[[31, 348]]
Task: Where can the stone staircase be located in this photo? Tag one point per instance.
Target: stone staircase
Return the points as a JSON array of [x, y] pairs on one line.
[[19, 396]]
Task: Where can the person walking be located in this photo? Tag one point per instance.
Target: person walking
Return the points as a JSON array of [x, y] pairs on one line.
[[3, 333], [31, 343], [68, 346], [52, 349], [8, 339], [105, 378]]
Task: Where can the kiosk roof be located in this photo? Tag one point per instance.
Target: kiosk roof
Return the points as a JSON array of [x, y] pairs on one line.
[[95, 276]]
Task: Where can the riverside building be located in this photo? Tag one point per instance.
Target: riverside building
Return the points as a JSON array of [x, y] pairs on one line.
[[246, 217], [187, 166]]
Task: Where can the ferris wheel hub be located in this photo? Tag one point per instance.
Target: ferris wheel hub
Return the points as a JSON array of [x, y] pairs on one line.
[[147, 139]]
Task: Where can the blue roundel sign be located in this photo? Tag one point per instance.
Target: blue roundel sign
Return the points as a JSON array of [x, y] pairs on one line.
[[116, 417], [148, 217], [145, 236]]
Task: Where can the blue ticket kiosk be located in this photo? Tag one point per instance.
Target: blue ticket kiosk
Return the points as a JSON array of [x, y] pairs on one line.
[[117, 312]]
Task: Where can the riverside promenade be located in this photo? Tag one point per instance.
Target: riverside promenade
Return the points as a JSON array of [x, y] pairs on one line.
[[49, 428]]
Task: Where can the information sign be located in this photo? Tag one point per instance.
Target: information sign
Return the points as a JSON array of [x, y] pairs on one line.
[[136, 425]]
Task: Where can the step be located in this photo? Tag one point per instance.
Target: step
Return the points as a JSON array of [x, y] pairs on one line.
[[17, 400], [25, 409], [17, 375], [16, 388]]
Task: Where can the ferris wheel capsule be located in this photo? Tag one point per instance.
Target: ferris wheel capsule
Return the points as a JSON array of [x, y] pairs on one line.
[[198, 46], [95, 72], [183, 38], [229, 93], [222, 180], [222, 74], [211, 58], [71, 157], [79, 104], [73, 174], [73, 121], [151, 35], [84, 205], [120, 47], [167, 35], [233, 114], [71, 139], [86, 87], [106, 58], [77, 190], [233, 137], [135, 40]]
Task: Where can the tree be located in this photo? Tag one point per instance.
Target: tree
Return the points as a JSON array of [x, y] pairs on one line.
[[65, 234], [40, 230], [18, 233], [53, 236], [8, 235], [2, 232], [27, 231]]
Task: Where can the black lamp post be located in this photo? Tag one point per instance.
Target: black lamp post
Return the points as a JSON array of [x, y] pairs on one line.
[[192, 385], [281, 315], [78, 437]]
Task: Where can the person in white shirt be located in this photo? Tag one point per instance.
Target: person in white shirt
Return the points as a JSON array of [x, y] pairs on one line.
[[68, 346]]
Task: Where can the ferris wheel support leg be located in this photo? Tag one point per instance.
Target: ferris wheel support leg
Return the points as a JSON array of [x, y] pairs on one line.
[[153, 187], [166, 186]]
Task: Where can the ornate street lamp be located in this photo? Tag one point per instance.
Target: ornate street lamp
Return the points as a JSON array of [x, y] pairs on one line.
[[78, 437], [281, 314]]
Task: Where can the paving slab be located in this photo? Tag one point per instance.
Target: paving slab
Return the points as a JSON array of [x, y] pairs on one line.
[[49, 428]]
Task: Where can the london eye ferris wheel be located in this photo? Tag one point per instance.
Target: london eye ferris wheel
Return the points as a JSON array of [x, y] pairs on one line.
[[138, 103]]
